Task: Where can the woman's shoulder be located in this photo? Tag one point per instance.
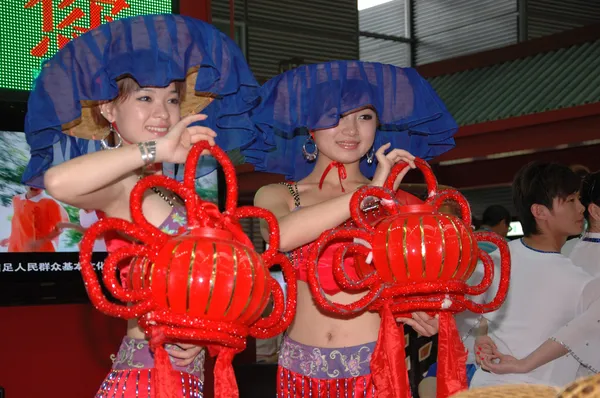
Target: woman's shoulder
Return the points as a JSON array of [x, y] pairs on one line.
[[276, 195], [275, 188]]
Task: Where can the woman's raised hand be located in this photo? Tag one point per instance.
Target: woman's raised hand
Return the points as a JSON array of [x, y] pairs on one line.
[[386, 161], [175, 146]]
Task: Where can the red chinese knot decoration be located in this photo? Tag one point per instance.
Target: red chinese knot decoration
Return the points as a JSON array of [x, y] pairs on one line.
[[421, 261], [205, 285]]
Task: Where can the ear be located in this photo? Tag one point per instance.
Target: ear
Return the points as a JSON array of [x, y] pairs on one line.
[[594, 211], [107, 110], [540, 212]]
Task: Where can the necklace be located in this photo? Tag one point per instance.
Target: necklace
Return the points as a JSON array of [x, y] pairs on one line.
[[161, 194], [164, 197]]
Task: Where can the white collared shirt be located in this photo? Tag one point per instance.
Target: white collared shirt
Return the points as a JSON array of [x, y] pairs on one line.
[[546, 292], [586, 253]]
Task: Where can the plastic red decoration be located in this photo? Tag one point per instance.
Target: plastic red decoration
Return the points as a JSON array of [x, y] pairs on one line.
[[421, 261], [205, 285]]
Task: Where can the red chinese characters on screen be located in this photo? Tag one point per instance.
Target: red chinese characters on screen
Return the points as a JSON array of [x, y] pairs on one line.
[[80, 18]]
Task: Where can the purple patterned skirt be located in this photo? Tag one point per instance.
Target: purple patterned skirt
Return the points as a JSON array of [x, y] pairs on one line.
[[306, 371], [131, 374]]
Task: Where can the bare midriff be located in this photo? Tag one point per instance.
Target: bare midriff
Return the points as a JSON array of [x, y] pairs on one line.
[[313, 327]]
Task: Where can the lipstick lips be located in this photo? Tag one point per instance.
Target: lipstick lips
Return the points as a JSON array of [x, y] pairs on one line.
[[349, 145], [158, 130]]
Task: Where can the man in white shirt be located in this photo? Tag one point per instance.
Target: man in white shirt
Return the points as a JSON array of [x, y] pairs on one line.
[[546, 289], [580, 338]]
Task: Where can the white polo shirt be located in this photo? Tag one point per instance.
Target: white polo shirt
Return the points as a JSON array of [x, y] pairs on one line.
[[546, 292], [586, 253]]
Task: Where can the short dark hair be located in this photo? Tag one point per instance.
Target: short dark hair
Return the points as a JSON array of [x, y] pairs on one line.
[[495, 214], [540, 183], [579, 169], [590, 192]]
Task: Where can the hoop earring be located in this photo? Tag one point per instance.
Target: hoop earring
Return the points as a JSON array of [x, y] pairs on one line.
[[370, 155], [104, 141], [310, 156]]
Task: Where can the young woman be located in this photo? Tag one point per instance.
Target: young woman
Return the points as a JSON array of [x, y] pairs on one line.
[[339, 126], [124, 87]]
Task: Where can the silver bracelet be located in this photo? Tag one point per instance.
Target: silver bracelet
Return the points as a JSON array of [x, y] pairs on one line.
[[148, 151]]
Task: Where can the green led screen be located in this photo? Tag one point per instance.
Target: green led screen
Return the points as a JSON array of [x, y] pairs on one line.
[[33, 30]]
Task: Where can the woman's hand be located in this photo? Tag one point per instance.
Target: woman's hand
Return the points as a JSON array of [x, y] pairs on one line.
[[389, 160], [175, 146], [485, 348], [184, 354], [505, 364], [422, 323]]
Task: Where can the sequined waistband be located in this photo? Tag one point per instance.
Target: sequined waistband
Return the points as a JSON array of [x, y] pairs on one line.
[[326, 363], [138, 383], [136, 354]]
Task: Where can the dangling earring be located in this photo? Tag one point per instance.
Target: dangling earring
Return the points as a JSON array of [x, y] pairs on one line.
[[119, 140], [310, 156], [370, 155]]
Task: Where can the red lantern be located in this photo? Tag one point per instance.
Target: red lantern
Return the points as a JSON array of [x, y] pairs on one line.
[[419, 244], [205, 285], [220, 278], [421, 261]]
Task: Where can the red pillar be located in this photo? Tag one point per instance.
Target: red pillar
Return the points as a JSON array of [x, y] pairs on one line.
[[199, 9]]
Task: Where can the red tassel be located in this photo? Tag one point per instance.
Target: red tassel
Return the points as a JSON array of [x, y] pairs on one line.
[[225, 382], [452, 359], [388, 364], [165, 385]]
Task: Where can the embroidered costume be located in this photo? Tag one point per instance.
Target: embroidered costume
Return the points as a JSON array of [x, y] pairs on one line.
[[297, 104], [154, 50]]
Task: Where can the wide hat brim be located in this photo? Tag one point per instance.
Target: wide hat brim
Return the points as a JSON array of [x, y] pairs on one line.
[[85, 126]]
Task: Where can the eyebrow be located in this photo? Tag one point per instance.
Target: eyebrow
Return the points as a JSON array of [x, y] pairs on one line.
[[174, 91], [364, 108]]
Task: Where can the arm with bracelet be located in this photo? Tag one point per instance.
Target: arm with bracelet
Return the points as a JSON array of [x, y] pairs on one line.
[[101, 117], [99, 180]]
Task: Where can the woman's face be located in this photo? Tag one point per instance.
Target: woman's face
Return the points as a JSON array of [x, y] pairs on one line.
[[351, 139], [146, 114]]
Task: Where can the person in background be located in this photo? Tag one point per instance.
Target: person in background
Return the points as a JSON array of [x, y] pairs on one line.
[[580, 338], [496, 218], [581, 171], [35, 217], [586, 252], [86, 219], [546, 290]]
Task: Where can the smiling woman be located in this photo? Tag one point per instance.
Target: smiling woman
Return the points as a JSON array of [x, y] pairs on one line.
[[128, 87], [101, 117], [339, 126], [154, 109]]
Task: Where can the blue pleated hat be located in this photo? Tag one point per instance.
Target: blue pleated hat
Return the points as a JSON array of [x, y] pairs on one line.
[[154, 50], [313, 97]]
